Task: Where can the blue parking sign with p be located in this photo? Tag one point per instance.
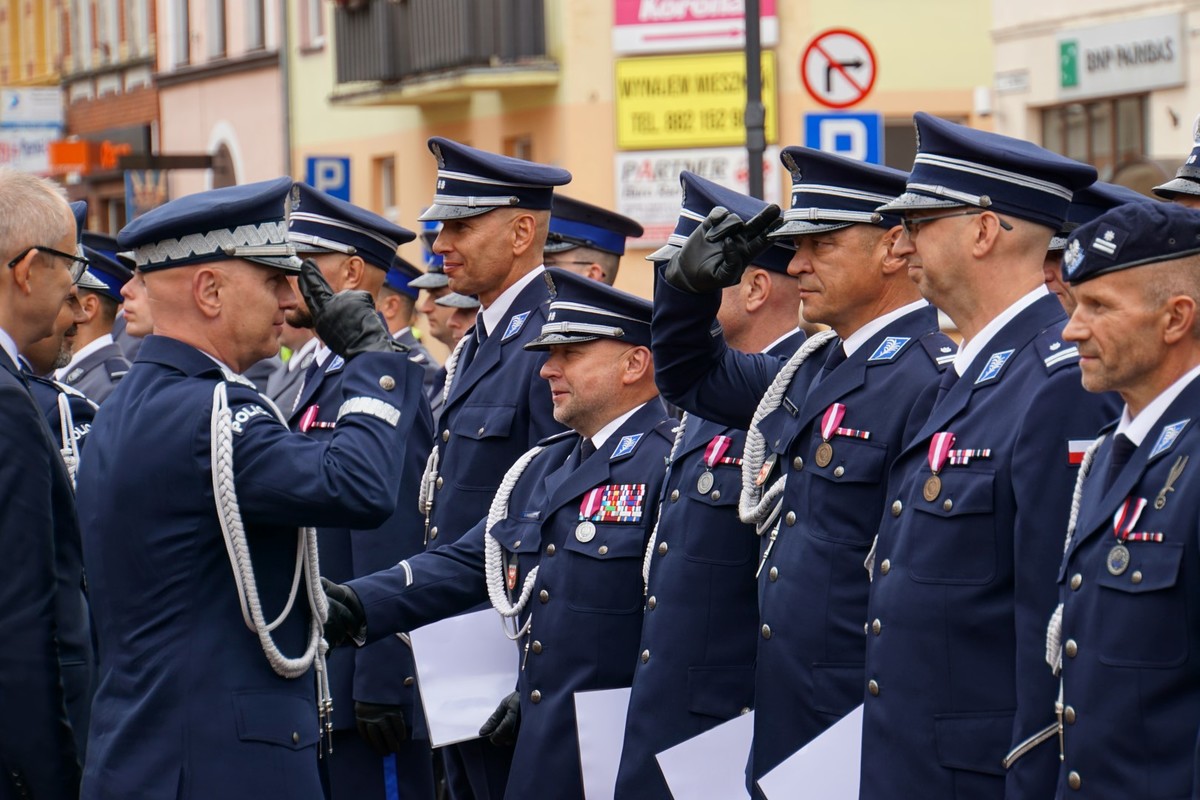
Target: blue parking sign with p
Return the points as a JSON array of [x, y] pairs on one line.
[[329, 174], [858, 136]]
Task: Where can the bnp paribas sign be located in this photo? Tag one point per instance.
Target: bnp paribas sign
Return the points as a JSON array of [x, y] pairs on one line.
[[1134, 55]]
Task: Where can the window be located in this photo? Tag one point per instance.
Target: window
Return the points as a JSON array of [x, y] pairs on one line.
[[108, 33], [81, 34], [384, 172], [216, 28], [1108, 133], [137, 27], [255, 27], [519, 147], [181, 33], [312, 24]]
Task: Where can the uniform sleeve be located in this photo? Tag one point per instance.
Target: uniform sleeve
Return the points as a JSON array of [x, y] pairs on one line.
[[695, 369], [350, 479], [427, 587], [1043, 481], [36, 745]]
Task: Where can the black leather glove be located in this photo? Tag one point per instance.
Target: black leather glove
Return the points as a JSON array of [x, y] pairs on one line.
[[381, 726], [502, 726], [717, 253], [346, 616], [347, 321]]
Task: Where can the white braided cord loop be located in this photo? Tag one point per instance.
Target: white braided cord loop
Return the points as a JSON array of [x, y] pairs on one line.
[[68, 438], [755, 505], [1054, 628], [680, 430], [429, 477], [307, 564], [493, 561]]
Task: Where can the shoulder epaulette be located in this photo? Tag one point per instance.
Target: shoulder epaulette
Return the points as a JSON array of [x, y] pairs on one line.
[[70, 391], [1054, 352], [940, 348], [666, 428]]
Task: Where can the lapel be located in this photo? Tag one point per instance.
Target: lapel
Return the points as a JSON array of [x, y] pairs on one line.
[[333, 365], [1097, 510], [528, 303], [981, 374], [882, 349], [596, 470]]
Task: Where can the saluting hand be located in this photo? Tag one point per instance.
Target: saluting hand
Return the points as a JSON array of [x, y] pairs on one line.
[[347, 321], [717, 253]]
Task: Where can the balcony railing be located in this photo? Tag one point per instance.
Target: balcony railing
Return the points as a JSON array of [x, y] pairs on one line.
[[393, 41]]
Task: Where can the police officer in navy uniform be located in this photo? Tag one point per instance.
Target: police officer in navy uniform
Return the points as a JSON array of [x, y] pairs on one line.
[[587, 240], [1130, 578], [397, 303], [375, 686], [98, 362], [958, 701], [823, 430], [700, 627], [494, 212], [561, 553], [208, 647], [37, 750], [1184, 188]]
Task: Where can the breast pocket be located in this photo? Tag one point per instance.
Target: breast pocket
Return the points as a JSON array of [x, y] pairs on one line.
[[1143, 609], [955, 534], [839, 492], [708, 526], [604, 574], [488, 427]]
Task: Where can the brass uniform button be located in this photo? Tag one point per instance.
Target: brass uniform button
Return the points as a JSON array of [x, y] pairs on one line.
[[652, 603], [295, 737], [433, 532], [897, 507], [387, 383], [773, 574], [716, 495], [745, 710], [603, 550], [1069, 715], [839, 472], [1071, 648], [550, 548], [439, 482], [885, 566], [482, 428], [1076, 581], [790, 518], [1073, 779], [766, 631], [797, 463], [674, 495], [409, 681], [873, 687], [876, 627], [544, 596], [536, 647], [446, 435], [1136, 577], [535, 696], [645, 656], [517, 544], [662, 548], [948, 504]]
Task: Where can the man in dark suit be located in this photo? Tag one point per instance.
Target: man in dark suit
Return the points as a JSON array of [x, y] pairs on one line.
[[37, 749]]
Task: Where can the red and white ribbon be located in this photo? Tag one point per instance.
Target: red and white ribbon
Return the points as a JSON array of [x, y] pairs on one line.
[[939, 448]]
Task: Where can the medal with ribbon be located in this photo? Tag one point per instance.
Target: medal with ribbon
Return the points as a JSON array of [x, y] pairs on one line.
[[714, 454], [1123, 521], [829, 425], [939, 449], [585, 531]]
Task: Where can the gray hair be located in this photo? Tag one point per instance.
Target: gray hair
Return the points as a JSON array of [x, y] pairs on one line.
[[33, 211]]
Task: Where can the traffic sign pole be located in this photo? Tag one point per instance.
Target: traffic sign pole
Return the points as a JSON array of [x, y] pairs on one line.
[[755, 117]]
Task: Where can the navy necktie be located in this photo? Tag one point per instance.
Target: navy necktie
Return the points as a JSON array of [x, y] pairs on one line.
[[949, 378], [1122, 449]]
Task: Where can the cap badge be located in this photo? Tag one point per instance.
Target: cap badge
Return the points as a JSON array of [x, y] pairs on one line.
[[1072, 258]]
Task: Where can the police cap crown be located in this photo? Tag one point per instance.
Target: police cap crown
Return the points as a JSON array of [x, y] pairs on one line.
[[960, 166], [574, 223], [584, 310], [247, 221], [701, 196], [104, 274], [1187, 177], [472, 182], [1091, 202], [321, 223], [1131, 235], [831, 191], [79, 211]]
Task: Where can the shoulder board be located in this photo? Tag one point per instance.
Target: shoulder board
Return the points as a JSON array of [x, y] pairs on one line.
[[1054, 352], [116, 368], [416, 356], [940, 348], [70, 391], [558, 437], [666, 428]]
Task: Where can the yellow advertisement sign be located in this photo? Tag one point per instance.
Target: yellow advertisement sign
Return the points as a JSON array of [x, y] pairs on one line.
[[688, 101]]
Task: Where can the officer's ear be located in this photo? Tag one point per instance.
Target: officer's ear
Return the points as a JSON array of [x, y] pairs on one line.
[[890, 262], [90, 303], [755, 288], [638, 365], [207, 283], [353, 271], [1179, 319], [524, 228]]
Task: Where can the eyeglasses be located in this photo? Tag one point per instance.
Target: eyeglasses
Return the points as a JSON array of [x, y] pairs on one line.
[[913, 226], [76, 264]]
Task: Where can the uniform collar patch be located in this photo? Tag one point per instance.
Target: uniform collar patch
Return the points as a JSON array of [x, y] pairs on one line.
[[1168, 435], [889, 348], [337, 363], [994, 364], [74, 375], [515, 323], [626, 445]]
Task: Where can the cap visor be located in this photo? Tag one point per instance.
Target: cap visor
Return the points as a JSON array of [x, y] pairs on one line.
[[800, 227], [663, 253], [558, 247], [430, 280], [1177, 186], [455, 300], [1057, 244], [548, 340], [289, 264], [438, 211], [910, 201]]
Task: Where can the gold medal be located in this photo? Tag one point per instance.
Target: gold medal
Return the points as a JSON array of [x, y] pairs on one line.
[[824, 454], [585, 531], [704, 483], [1118, 559], [933, 487]]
